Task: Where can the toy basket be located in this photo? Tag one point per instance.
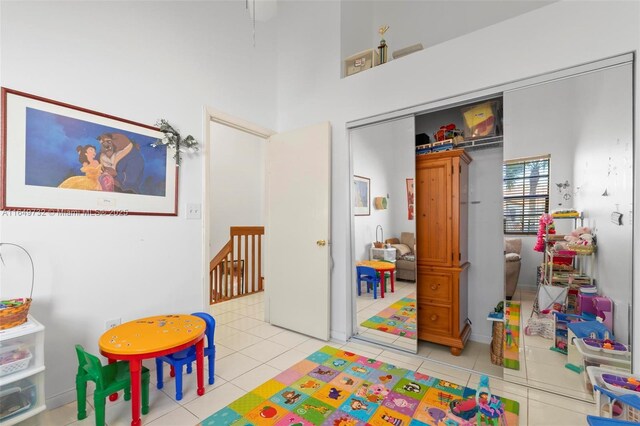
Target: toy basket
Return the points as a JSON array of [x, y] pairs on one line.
[[540, 326], [497, 347], [621, 407], [12, 316], [580, 249]]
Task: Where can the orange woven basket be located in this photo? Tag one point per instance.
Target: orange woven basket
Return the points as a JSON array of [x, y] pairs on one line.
[[16, 315]]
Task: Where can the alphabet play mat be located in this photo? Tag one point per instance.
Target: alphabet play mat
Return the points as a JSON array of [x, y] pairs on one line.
[[512, 336], [335, 387], [399, 318]]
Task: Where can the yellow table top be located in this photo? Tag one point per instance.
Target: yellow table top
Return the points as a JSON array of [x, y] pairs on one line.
[[152, 334], [376, 264]]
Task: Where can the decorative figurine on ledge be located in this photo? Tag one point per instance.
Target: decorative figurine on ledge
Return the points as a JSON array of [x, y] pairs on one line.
[[382, 49]]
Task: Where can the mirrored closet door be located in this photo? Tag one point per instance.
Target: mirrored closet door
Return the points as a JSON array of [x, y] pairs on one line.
[[383, 227], [568, 151]]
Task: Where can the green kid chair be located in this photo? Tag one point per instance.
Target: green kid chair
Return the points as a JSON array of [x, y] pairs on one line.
[[109, 379]]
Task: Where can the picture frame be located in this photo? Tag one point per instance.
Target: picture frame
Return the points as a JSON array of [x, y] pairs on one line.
[[61, 158], [361, 196], [411, 199]]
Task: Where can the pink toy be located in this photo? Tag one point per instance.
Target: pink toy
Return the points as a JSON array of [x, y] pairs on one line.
[[604, 309], [585, 304]]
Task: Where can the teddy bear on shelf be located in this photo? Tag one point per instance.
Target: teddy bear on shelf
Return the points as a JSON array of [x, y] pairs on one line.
[[545, 224], [580, 237]]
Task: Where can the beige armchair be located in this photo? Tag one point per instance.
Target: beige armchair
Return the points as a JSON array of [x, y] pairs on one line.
[[405, 256], [512, 247]]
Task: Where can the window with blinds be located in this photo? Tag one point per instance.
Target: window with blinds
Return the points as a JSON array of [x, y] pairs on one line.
[[525, 185]]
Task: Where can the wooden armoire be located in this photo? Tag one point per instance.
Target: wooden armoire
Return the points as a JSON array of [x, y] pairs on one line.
[[441, 190]]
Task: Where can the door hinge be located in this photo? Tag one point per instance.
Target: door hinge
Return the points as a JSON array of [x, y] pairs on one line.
[[460, 169], [459, 256]]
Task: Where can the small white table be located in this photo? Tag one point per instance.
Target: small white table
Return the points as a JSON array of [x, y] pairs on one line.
[[388, 254]]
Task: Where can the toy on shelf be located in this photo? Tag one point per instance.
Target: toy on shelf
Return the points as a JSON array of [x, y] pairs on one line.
[[604, 309]]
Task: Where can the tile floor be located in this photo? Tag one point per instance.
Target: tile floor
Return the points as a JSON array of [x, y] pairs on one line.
[[250, 351], [367, 307], [539, 366]]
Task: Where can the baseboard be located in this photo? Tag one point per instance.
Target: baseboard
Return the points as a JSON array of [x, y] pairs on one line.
[[480, 338], [340, 336]]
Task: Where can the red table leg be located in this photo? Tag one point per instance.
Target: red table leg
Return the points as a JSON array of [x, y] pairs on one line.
[[393, 280], [383, 280], [135, 368], [199, 365], [113, 396]]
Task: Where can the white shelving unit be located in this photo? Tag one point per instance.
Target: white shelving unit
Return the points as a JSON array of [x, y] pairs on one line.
[[382, 254], [579, 262], [21, 372]]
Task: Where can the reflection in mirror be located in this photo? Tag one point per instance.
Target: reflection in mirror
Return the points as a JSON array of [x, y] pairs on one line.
[[384, 233], [568, 149]]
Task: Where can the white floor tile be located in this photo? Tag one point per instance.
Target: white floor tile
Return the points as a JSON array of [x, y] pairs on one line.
[[265, 331], [254, 378], [541, 414], [289, 339], [310, 346], [245, 323], [287, 359], [234, 365], [239, 340], [213, 401], [179, 416], [264, 351]]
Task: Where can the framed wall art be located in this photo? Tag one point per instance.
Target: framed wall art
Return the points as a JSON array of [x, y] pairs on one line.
[[58, 157], [361, 196], [410, 199]]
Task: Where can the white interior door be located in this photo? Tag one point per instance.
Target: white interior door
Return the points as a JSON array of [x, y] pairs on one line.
[[297, 254]]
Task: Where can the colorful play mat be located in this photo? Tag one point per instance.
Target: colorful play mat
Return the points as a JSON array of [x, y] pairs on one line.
[[511, 355], [335, 387], [398, 318]]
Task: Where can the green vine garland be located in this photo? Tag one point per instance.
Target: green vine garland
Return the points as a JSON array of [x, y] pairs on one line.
[[172, 139]]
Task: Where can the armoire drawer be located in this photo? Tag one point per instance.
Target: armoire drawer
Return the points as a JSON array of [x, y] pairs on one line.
[[435, 286], [435, 319]]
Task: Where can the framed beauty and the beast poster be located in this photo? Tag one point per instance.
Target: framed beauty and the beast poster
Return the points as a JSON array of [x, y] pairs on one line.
[[62, 158]]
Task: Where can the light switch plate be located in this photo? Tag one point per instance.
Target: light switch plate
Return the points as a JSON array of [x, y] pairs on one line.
[[194, 211]]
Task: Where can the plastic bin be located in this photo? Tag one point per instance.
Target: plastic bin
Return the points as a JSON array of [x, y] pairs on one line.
[[592, 359]]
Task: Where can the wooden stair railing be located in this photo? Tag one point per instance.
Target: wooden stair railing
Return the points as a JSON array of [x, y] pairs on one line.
[[237, 270]]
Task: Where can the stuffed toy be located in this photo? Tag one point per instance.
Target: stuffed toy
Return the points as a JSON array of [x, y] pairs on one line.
[[544, 223], [581, 236]]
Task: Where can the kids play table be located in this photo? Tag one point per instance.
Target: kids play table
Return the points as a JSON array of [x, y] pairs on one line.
[[381, 267], [150, 338]]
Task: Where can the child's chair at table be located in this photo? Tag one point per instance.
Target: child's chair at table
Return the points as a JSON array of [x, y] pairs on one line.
[[179, 359], [370, 276], [109, 379]]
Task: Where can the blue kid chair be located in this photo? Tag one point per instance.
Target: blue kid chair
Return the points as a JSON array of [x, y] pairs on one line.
[[179, 359], [370, 276]]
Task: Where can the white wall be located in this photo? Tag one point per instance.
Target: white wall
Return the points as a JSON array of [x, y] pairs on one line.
[[603, 118], [237, 182], [310, 89], [426, 22], [587, 128], [141, 61], [384, 154]]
